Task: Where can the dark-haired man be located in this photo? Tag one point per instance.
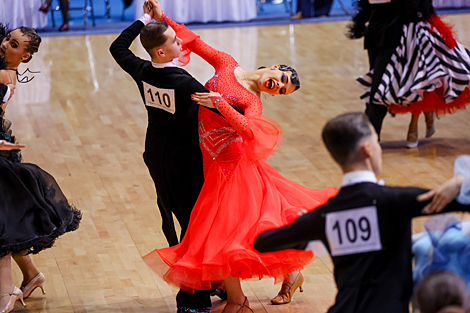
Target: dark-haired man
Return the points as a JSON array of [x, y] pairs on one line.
[[172, 152], [366, 227]]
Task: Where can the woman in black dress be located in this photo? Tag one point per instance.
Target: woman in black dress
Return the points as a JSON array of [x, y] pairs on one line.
[[33, 209]]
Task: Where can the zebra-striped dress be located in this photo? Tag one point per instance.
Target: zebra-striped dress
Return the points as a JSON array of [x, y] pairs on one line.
[[424, 73]]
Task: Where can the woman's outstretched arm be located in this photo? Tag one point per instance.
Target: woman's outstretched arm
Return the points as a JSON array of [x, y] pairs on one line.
[[192, 41]]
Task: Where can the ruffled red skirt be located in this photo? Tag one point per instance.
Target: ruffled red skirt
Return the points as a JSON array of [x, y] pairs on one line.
[[227, 218]]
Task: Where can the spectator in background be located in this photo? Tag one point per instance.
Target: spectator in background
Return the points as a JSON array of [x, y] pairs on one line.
[[442, 292], [320, 8], [64, 8]]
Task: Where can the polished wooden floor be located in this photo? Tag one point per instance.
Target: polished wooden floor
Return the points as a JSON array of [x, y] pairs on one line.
[[82, 120]]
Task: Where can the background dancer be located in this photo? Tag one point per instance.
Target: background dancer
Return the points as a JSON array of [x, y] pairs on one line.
[[416, 64], [442, 292], [33, 210], [366, 227]]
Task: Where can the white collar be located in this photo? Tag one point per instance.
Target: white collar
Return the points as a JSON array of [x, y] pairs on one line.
[[357, 177], [172, 63]]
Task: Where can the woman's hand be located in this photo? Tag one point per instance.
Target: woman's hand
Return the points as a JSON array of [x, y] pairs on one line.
[[203, 98], [442, 195], [156, 10], [5, 145]]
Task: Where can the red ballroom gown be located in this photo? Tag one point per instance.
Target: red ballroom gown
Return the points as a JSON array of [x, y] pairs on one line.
[[242, 195]]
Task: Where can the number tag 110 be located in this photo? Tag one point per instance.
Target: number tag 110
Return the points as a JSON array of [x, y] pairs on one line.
[[353, 231], [159, 98]]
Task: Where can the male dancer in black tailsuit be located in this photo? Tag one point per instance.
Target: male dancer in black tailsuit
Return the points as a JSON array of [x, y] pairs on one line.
[[172, 152], [366, 227]]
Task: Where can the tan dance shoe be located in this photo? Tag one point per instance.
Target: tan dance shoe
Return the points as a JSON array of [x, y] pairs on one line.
[[287, 291], [412, 140], [38, 281], [14, 296], [244, 307]]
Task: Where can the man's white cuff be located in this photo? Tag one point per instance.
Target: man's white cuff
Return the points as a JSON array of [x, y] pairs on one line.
[[146, 18], [7, 94]]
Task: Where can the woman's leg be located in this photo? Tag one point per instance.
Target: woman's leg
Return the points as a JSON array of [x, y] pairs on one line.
[[64, 7], [429, 118], [412, 137], [235, 297], [27, 267], [6, 280]]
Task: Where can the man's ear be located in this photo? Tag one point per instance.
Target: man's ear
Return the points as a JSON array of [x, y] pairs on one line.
[[160, 53], [365, 148]]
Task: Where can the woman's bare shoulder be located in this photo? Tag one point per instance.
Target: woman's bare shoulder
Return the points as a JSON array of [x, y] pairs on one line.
[[6, 77]]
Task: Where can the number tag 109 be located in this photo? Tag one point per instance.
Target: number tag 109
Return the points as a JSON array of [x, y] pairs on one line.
[[160, 98], [353, 231]]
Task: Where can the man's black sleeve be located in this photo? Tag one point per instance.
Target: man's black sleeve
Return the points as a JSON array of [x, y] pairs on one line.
[[123, 55], [3, 91], [413, 208], [293, 236]]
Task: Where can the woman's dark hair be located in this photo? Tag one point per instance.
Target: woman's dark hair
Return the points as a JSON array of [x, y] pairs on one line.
[[442, 292], [294, 78], [33, 43], [3, 33], [343, 134], [152, 36]]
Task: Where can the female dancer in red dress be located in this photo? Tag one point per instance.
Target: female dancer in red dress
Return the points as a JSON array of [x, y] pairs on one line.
[[242, 195]]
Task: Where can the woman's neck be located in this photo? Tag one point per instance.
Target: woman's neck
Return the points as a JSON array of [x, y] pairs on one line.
[[251, 81], [12, 66]]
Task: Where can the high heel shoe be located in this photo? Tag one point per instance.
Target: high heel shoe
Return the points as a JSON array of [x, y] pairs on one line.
[[44, 7], [412, 139], [287, 291], [243, 307], [14, 296], [64, 27], [38, 281], [430, 117]]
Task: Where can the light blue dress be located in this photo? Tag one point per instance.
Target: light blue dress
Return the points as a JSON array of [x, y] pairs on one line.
[[445, 243]]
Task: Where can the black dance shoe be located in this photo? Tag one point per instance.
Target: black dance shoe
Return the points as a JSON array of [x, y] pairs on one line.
[[220, 292], [188, 310]]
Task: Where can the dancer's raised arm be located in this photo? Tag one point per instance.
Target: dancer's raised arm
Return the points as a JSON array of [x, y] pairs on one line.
[[191, 41]]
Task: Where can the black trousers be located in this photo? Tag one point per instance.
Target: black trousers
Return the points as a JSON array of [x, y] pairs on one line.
[[378, 60], [175, 165]]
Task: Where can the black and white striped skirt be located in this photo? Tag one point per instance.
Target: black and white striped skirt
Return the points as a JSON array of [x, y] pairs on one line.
[[423, 74]]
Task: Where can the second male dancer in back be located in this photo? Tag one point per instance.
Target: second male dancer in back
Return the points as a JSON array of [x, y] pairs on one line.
[[172, 152]]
